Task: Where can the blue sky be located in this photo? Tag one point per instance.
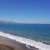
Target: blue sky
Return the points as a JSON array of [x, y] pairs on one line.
[[25, 11]]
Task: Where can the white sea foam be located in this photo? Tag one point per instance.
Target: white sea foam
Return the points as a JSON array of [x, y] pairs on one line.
[[26, 41]]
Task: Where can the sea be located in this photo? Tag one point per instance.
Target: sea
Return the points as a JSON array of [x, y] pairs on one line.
[[39, 33]]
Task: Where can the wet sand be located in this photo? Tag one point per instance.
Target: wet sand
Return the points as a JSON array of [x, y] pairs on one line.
[[5, 47], [14, 45]]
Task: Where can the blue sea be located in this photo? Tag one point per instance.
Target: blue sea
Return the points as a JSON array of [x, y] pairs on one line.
[[37, 32]]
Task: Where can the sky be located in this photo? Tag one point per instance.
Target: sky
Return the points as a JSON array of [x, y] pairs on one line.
[[25, 11]]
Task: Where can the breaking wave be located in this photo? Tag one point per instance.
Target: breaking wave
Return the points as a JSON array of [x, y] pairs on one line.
[[29, 42]]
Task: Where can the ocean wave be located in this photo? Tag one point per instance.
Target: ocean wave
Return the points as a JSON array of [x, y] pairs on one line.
[[28, 42]]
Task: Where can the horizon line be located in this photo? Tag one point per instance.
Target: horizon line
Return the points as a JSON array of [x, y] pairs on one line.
[[21, 22]]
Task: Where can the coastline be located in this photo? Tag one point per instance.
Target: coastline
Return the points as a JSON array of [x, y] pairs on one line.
[[14, 44], [20, 43]]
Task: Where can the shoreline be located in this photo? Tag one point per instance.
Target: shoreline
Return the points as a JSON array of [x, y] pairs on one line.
[[14, 44], [20, 43]]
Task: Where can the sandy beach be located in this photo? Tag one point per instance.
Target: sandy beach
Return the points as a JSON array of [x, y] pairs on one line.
[[14, 45]]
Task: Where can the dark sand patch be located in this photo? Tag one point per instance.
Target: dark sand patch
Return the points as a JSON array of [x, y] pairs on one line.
[[5, 47]]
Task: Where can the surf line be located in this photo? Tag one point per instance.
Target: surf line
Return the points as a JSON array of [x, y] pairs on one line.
[[26, 41]]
